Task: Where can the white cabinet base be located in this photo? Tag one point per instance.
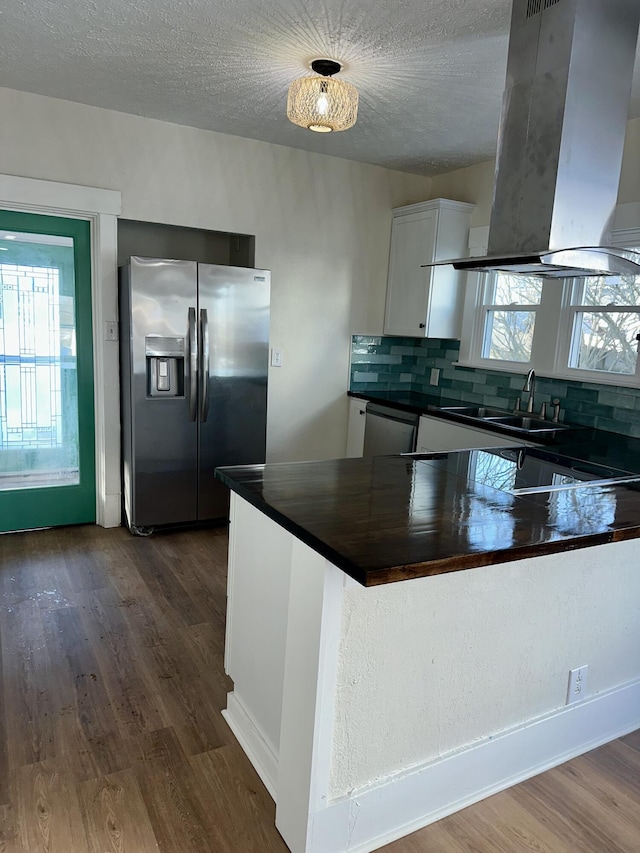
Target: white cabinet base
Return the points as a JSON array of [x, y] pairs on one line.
[[355, 429], [436, 435]]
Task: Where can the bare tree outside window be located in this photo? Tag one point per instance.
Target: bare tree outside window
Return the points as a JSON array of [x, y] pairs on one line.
[[511, 303], [605, 339]]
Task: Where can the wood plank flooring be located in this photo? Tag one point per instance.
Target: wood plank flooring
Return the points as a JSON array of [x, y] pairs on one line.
[[112, 741]]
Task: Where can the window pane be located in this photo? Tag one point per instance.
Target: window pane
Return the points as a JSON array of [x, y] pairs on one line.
[[605, 341], [609, 290], [516, 290], [509, 335]]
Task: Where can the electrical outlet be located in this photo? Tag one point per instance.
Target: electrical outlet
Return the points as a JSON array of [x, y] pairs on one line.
[[276, 357], [577, 684], [435, 376]]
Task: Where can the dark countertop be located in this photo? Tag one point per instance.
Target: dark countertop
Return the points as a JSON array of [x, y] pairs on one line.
[[607, 448], [392, 518]]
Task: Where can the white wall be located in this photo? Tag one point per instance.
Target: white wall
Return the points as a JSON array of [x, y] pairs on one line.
[[461, 657], [322, 226]]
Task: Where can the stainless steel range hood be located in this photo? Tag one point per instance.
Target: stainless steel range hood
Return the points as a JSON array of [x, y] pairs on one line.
[[564, 263], [561, 140]]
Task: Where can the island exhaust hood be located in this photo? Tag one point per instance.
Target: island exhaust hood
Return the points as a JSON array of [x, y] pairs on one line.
[[561, 139]]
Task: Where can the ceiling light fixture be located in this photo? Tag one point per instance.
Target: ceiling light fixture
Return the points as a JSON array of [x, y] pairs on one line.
[[321, 103]]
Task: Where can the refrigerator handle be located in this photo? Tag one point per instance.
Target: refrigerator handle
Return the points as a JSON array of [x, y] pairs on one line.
[[193, 365], [204, 365]]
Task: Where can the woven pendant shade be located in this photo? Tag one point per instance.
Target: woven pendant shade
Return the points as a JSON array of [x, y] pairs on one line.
[[322, 104]]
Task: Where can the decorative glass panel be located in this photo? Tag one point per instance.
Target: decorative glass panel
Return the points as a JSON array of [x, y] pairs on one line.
[[38, 377]]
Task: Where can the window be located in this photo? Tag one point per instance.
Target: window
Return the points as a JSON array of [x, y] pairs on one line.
[[604, 324], [585, 329], [510, 306]]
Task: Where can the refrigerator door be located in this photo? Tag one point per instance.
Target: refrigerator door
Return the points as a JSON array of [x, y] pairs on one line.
[[234, 332], [158, 314]]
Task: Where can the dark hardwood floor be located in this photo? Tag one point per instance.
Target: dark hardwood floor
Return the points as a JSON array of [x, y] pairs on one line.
[[112, 741]]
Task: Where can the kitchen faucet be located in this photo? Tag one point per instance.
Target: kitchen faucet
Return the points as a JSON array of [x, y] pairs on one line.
[[530, 385]]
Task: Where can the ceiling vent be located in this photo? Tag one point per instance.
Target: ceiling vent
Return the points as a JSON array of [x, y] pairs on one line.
[[534, 7]]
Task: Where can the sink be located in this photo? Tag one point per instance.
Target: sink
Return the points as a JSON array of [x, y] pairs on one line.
[[526, 423], [475, 412], [521, 422]]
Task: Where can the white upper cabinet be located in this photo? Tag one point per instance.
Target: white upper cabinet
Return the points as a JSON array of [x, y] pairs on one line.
[[426, 303]]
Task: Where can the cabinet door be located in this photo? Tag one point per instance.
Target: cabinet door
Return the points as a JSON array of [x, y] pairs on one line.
[[413, 238], [438, 434], [355, 429]]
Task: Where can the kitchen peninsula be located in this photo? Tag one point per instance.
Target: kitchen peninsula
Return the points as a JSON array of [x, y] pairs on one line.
[[370, 712]]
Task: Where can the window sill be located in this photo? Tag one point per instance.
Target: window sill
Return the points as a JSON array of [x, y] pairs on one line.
[[616, 380], [511, 367]]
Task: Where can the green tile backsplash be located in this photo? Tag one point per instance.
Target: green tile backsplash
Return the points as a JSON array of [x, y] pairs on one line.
[[404, 364]]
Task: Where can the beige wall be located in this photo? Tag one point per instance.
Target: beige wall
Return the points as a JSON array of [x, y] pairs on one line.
[[322, 226], [474, 185], [630, 177]]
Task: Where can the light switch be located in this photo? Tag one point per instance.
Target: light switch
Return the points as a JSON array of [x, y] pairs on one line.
[[111, 330]]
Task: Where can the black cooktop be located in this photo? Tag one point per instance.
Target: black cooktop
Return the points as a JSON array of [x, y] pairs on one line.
[[519, 470]]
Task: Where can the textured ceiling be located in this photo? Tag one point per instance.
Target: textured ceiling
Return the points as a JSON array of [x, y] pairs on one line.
[[430, 72]]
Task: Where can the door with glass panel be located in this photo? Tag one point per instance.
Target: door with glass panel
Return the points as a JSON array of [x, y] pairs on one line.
[[47, 461]]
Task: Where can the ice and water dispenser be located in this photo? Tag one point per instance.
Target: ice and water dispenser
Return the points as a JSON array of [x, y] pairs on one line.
[[165, 366]]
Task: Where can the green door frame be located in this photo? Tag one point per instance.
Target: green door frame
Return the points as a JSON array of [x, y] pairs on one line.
[[23, 509]]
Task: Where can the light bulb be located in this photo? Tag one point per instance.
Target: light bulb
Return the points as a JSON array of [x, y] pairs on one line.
[[322, 104]]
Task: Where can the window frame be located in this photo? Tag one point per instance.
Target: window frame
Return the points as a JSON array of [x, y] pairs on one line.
[[554, 329]]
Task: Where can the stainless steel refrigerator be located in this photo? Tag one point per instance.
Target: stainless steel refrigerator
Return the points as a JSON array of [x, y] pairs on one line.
[[194, 342]]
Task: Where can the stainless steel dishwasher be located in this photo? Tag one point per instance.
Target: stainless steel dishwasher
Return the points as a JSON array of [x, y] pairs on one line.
[[389, 431]]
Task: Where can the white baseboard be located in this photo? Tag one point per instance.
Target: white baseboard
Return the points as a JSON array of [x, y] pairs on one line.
[[110, 514], [258, 750], [370, 818]]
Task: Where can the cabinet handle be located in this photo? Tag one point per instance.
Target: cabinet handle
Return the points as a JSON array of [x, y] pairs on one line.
[[363, 411], [422, 325]]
